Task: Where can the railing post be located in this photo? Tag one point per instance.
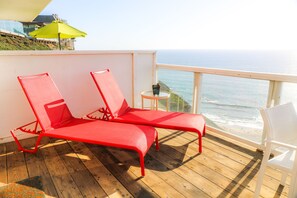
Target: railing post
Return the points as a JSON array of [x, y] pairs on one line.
[[133, 79], [197, 92], [177, 104], [155, 69], [183, 105], [274, 93], [274, 98]]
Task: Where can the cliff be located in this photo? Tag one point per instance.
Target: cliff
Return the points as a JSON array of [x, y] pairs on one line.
[[15, 42]]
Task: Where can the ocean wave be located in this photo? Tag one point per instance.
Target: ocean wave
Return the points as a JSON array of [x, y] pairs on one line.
[[218, 103], [253, 123]]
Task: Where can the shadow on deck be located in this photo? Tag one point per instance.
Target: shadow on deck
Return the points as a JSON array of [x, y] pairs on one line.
[[226, 168]]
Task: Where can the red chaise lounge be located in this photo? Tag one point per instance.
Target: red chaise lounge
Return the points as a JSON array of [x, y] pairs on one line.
[[118, 110], [56, 121]]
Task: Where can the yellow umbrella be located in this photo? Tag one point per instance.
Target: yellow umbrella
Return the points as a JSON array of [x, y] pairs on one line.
[[57, 29]]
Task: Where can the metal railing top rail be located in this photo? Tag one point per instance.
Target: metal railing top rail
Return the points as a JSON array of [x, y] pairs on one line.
[[71, 52], [232, 73]]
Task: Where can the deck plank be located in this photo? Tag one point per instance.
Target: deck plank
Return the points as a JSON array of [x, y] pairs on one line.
[[3, 168], [37, 167], [62, 180], [203, 183], [119, 170], [112, 187], [16, 165], [244, 162], [238, 175], [201, 165], [87, 184], [162, 181], [226, 168], [235, 157], [235, 151]]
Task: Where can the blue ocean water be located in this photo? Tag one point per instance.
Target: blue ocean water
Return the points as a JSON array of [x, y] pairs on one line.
[[231, 103]]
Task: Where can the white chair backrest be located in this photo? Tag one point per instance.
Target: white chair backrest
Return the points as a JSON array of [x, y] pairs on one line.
[[281, 123]]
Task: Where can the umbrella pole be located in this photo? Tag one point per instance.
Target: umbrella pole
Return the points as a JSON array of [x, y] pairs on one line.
[[59, 41]]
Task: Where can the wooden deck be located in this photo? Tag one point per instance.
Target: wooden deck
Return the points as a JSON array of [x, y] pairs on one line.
[[226, 168]]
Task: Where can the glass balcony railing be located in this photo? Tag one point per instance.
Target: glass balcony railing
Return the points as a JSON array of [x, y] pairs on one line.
[[232, 104], [180, 86], [229, 100]]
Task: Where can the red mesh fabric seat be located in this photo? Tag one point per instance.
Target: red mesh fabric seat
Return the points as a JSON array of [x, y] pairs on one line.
[[56, 120], [118, 110], [162, 119], [128, 136]]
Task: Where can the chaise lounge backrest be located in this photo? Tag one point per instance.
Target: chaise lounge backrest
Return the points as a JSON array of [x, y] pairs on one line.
[[111, 93], [45, 100]]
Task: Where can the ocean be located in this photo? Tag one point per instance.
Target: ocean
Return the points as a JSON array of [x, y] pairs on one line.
[[230, 103]]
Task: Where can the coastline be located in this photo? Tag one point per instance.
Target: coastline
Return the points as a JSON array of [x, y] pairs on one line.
[[177, 103], [244, 132], [231, 104]]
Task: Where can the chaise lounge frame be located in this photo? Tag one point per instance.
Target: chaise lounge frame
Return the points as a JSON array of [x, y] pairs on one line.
[[118, 110], [56, 121]]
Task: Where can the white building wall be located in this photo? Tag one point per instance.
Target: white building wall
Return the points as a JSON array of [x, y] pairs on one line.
[[71, 73]]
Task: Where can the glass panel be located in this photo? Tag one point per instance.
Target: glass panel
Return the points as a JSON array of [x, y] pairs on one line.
[[180, 86], [228, 103], [232, 104], [289, 93], [12, 26]]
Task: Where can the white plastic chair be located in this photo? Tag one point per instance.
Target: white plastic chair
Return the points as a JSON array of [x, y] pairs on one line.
[[281, 125]]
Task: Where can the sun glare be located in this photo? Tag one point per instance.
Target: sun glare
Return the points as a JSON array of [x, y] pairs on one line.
[[80, 156], [192, 24], [253, 25]]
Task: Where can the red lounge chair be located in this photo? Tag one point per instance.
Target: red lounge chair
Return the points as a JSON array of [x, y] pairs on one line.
[[56, 121], [118, 110]]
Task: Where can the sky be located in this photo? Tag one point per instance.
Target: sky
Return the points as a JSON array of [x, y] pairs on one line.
[[180, 24]]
